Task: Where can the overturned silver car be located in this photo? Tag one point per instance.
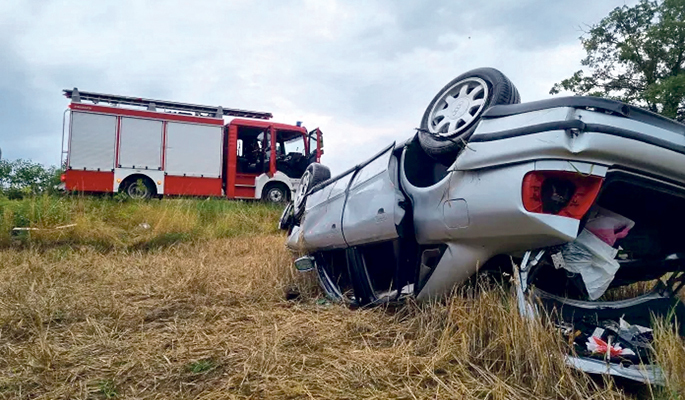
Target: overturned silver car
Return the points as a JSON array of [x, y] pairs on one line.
[[584, 194]]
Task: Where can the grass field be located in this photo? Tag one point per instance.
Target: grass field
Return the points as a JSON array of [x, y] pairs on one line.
[[198, 299]]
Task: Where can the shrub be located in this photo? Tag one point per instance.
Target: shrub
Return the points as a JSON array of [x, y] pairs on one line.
[[20, 178]]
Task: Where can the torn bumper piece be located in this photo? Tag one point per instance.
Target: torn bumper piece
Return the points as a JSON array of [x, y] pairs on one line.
[[651, 374]]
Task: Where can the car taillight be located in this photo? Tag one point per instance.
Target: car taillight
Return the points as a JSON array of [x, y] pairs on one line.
[[63, 178], [569, 194]]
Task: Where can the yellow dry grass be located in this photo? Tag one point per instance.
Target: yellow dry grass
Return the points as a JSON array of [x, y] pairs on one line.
[[211, 319]]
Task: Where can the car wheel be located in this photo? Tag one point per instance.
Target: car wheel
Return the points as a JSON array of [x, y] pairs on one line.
[[276, 194], [453, 114], [286, 220], [140, 189], [313, 175]]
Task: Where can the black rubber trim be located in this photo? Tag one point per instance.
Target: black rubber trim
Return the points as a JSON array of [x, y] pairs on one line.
[[613, 106], [356, 269], [612, 130], [582, 127], [529, 130]]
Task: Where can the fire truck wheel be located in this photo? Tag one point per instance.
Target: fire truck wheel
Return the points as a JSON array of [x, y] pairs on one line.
[[276, 194], [139, 188]]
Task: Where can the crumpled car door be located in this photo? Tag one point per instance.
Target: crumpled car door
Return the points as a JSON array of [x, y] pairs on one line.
[[372, 207], [323, 214]]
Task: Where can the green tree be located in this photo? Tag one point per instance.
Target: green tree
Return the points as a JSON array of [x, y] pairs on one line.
[[636, 55], [20, 178]]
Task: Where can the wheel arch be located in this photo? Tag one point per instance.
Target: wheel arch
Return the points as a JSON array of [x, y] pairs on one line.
[[135, 176], [263, 180], [123, 176]]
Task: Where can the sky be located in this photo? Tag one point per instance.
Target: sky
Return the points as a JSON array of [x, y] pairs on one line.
[[362, 71]]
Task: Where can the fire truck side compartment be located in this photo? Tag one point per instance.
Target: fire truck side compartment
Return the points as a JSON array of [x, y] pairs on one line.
[[193, 150], [92, 141], [140, 143]]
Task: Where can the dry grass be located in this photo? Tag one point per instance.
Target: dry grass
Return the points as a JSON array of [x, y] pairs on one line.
[[210, 320], [670, 352]]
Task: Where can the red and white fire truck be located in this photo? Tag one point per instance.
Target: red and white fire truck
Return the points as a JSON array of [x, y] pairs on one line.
[[147, 148]]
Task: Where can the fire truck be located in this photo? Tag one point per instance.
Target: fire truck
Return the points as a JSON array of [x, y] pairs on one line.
[[152, 148]]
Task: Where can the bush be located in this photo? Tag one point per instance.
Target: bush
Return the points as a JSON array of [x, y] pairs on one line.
[[20, 178]]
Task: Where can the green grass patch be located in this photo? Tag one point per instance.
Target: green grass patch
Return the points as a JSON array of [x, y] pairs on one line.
[[108, 223], [200, 366], [107, 389]]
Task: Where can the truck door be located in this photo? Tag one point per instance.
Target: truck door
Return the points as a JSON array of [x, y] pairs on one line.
[[292, 157], [315, 138], [250, 152]]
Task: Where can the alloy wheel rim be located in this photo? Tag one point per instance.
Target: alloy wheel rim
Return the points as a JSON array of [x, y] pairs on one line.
[[458, 107], [302, 189]]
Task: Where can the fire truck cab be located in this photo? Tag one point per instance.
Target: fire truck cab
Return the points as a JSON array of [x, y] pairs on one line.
[[147, 148]]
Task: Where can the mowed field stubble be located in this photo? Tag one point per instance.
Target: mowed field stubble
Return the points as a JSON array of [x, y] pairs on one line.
[[197, 299]]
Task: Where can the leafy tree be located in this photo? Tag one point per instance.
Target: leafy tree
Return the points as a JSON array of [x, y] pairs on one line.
[[20, 178], [636, 55]]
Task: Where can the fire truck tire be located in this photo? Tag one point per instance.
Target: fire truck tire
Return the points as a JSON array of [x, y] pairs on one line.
[[313, 175], [139, 187], [276, 193]]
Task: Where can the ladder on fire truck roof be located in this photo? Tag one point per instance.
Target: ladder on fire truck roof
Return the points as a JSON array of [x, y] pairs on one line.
[[78, 96]]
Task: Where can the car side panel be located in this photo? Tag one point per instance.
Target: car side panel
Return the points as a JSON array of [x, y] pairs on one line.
[[321, 223], [372, 209], [486, 206], [359, 207], [479, 214]]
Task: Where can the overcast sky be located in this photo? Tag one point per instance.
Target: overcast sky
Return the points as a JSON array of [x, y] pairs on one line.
[[363, 71]]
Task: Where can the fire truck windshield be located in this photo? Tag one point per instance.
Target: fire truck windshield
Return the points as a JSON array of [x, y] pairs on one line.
[[294, 145]]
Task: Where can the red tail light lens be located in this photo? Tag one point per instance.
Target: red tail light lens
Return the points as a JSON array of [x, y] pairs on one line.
[[564, 193], [63, 178]]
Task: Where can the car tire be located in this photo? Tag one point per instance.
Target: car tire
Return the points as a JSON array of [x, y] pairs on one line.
[[286, 220], [313, 175], [453, 114]]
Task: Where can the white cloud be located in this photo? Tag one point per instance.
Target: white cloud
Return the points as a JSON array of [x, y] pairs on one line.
[[362, 71]]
